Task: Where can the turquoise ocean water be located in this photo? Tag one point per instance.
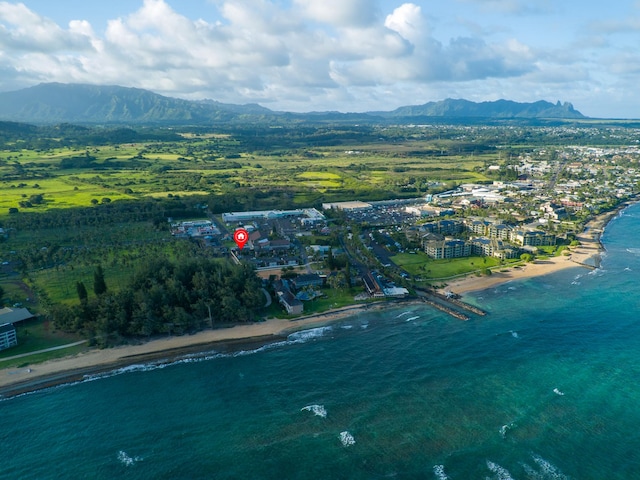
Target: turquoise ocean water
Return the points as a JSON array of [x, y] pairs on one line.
[[547, 386]]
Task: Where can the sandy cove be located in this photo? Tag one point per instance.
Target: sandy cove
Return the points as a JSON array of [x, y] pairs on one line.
[[19, 380]]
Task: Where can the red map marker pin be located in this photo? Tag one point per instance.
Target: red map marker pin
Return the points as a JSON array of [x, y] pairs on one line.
[[241, 237]]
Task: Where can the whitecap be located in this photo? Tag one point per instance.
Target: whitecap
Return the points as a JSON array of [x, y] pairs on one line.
[[305, 335], [597, 271], [505, 428], [412, 318], [549, 470], [514, 334], [347, 439], [558, 392], [501, 472], [403, 314], [318, 410], [627, 269], [438, 471], [347, 327], [126, 459]]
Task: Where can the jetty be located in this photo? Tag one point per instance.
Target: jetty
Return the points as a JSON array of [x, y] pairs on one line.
[[453, 299], [445, 309], [442, 303]]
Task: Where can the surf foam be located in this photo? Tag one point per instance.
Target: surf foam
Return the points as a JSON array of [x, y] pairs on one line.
[[318, 410], [501, 472], [306, 335], [126, 459], [347, 439], [438, 471]]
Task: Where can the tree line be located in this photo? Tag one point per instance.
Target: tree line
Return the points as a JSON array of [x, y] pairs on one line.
[[164, 296]]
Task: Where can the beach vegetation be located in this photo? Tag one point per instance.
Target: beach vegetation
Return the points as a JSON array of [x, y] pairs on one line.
[[166, 296], [527, 257]]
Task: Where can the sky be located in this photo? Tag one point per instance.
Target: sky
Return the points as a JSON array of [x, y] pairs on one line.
[[342, 55]]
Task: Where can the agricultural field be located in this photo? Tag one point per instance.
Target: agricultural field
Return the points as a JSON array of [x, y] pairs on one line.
[[220, 164]]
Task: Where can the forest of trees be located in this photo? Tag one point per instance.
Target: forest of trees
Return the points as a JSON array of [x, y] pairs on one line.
[[165, 297]]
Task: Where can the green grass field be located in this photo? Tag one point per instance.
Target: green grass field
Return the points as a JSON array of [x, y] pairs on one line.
[[420, 265]]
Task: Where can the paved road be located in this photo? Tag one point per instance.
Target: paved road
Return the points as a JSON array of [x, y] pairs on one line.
[[68, 345]]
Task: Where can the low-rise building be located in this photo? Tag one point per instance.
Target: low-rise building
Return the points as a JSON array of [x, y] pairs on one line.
[[307, 280]]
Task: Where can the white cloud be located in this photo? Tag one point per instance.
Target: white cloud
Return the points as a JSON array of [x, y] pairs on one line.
[[297, 54], [340, 13], [23, 30]]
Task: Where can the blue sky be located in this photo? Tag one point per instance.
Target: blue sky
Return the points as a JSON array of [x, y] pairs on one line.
[[346, 55]]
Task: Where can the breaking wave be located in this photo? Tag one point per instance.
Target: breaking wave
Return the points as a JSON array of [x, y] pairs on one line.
[[545, 470], [318, 410], [347, 439], [505, 428], [501, 472], [126, 459], [311, 334], [438, 471], [302, 336]]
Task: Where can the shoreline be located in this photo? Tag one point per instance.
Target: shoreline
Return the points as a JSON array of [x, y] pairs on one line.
[[17, 381], [586, 255]]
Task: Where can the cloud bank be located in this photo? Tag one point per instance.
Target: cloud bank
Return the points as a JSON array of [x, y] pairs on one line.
[[300, 55]]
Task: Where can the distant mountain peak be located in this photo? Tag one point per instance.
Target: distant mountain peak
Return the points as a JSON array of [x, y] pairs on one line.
[[102, 104], [505, 109]]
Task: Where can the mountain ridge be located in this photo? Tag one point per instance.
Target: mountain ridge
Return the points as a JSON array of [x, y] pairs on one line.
[[113, 104]]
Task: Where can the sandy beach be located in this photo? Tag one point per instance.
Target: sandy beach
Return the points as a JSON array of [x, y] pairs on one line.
[[587, 254], [19, 380]]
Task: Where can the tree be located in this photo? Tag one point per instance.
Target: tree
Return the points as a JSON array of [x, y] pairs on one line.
[[527, 257], [82, 292], [1, 293], [99, 285]]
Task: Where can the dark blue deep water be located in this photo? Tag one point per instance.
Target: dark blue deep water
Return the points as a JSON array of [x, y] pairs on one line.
[[547, 386]]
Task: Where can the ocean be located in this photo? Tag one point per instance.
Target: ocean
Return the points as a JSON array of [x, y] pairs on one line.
[[546, 386]]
